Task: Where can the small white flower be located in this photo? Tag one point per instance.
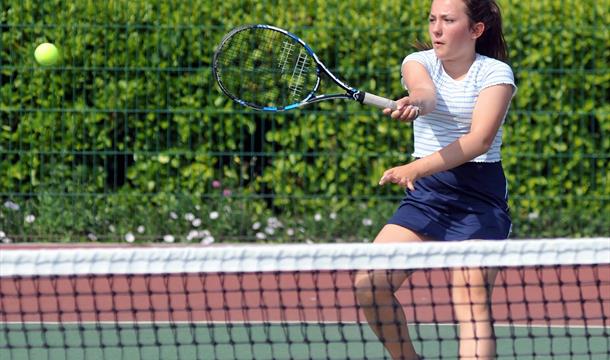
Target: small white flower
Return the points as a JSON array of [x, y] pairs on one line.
[[12, 206], [196, 222], [2, 234], [129, 237], [270, 230], [92, 237], [169, 238], [332, 215], [261, 236], [173, 215], [7, 240], [274, 222], [256, 226], [367, 222], [309, 241], [208, 240], [214, 215], [189, 217], [141, 229], [30, 219], [317, 217], [533, 215], [290, 232], [111, 228], [193, 234]]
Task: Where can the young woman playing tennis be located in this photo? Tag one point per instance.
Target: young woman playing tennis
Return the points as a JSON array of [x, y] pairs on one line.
[[459, 94]]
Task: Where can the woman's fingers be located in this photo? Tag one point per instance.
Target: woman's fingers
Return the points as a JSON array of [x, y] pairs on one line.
[[410, 185], [384, 179], [390, 177], [404, 113]]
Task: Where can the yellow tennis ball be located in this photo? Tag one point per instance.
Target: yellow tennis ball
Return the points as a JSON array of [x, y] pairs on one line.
[[46, 54]]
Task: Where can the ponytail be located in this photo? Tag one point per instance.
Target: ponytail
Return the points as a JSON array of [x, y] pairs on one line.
[[491, 43]]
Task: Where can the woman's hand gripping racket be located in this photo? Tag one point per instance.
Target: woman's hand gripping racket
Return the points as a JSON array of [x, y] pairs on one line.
[[270, 69]]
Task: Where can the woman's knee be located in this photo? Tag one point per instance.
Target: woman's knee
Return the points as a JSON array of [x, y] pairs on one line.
[[373, 287], [363, 288]]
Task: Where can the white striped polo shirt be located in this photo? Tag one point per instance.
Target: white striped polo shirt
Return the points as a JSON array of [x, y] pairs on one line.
[[455, 102]]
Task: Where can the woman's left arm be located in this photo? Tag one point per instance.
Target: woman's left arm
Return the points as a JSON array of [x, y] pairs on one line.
[[487, 116]]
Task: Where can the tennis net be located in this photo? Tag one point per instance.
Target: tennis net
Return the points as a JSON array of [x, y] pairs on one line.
[[551, 300]]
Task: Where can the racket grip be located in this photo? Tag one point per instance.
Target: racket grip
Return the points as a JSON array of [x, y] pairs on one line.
[[380, 102]]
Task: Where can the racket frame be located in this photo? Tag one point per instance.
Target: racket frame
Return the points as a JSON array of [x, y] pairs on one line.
[[311, 97]]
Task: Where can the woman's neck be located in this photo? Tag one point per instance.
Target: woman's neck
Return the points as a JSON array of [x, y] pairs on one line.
[[458, 68]]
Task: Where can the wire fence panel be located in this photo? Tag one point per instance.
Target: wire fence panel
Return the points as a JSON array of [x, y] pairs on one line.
[[128, 138]]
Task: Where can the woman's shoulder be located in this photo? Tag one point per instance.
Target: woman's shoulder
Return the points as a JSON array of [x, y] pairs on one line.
[[424, 55], [488, 64], [427, 58], [493, 71]]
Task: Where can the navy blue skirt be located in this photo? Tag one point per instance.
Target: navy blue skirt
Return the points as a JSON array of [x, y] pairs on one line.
[[467, 202]]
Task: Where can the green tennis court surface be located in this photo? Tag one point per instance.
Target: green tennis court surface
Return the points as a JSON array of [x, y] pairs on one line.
[[275, 341]]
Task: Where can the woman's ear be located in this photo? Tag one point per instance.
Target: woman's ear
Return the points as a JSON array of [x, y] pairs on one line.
[[477, 30]]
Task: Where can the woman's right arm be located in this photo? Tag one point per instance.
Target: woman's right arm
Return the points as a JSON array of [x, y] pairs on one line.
[[422, 93]]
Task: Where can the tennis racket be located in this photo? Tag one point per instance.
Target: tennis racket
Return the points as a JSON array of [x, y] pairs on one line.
[[271, 69]]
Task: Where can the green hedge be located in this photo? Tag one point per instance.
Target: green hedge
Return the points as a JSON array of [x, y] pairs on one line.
[[130, 130]]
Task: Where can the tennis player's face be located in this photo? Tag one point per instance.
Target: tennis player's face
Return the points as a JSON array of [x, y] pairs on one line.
[[450, 30]]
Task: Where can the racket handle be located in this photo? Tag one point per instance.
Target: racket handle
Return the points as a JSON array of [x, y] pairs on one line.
[[380, 102]]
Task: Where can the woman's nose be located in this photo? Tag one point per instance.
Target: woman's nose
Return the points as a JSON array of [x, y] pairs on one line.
[[436, 28]]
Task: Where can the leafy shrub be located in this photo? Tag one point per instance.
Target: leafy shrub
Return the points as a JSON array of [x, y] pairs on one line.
[[131, 128]]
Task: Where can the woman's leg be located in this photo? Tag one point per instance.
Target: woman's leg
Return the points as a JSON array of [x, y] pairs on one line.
[[375, 291], [471, 293]]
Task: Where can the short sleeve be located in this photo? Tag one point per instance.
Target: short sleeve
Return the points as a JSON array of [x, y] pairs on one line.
[[426, 58], [499, 73]]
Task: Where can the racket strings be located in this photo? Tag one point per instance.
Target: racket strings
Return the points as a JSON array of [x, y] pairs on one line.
[[287, 49], [297, 78]]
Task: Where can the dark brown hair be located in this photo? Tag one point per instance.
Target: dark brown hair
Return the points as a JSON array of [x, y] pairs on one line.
[[491, 43]]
